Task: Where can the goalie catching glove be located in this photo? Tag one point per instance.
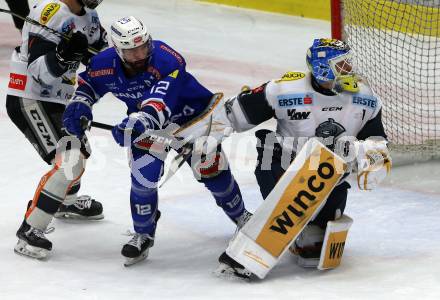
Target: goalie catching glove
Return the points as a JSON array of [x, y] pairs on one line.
[[373, 163]]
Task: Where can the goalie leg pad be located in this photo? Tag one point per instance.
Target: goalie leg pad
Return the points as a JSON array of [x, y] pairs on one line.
[[296, 199], [334, 242]]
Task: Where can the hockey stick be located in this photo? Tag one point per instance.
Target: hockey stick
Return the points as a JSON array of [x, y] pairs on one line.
[[53, 31], [101, 125]]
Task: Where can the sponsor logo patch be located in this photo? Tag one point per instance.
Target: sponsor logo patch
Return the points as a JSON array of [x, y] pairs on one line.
[[68, 26], [17, 81], [102, 72], [297, 115], [137, 40], [300, 200], [295, 100], [333, 252], [291, 76], [174, 74], [365, 100], [173, 53], [48, 12]]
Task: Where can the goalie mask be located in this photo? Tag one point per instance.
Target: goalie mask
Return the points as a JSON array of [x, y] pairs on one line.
[[132, 42], [330, 62], [92, 4]]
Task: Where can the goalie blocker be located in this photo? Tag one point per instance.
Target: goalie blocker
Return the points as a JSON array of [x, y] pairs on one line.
[[297, 198]]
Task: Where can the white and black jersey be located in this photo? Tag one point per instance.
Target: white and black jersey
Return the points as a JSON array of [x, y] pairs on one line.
[[303, 110], [35, 71], [39, 87]]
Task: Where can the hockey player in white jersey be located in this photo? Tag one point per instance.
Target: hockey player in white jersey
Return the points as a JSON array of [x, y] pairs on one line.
[[42, 79], [329, 103]]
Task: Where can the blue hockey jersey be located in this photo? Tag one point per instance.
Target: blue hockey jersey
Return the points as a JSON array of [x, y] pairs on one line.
[[166, 91]]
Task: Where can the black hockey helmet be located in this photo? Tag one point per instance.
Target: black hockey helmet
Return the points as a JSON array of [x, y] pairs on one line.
[[92, 4]]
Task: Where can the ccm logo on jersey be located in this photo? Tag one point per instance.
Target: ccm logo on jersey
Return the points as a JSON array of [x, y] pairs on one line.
[[48, 12], [17, 81], [297, 115], [369, 102], [291, 76], [333, 108], [295, 100]]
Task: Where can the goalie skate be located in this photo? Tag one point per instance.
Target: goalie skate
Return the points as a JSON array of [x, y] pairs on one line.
[[231, 270], [85, 208]]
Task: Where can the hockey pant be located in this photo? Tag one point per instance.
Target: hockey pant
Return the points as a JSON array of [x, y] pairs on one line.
[[146, 171], [41, 123]]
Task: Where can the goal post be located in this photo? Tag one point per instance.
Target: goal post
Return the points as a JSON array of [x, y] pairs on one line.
[[396, 47]]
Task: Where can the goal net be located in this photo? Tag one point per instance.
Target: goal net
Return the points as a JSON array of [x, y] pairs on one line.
[[396, 46]]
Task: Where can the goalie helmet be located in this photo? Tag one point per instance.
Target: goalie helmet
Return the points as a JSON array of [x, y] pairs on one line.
[[92, 4], [330, 62], [132, 41]]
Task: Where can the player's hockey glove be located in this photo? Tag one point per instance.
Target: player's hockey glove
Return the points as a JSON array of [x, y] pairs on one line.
[[131, 128], [74, 115], [101, 44], [373, 163], [70, 52]]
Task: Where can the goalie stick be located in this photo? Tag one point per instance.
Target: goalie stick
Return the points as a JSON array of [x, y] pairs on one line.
[[53, 31]]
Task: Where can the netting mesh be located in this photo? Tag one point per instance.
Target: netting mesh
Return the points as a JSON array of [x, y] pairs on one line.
[[396, 46]]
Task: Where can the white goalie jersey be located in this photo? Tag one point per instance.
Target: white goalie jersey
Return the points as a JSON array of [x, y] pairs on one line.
[[303, 112], [32, 72]]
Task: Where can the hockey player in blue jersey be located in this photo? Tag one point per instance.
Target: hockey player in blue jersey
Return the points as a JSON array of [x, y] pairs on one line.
[[150, 77]]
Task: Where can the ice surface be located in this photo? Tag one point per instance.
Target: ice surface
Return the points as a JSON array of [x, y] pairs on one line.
[[393, 249]]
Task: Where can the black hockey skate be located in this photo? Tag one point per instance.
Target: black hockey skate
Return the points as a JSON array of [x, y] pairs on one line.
[[243, 219], [85, 208], [137, 248], [230, 269], [32, 242]]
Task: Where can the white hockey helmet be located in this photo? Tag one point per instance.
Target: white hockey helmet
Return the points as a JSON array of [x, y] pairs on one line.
[[129, 33]]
